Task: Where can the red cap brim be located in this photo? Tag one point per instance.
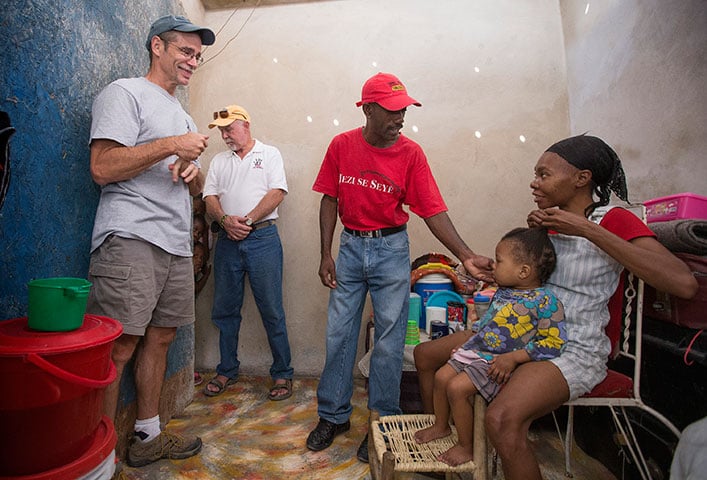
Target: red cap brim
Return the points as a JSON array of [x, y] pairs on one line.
[[394, 103]]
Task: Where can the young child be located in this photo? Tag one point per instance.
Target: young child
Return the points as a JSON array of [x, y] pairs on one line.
[[202, 269], [524, 322], [200, 229]]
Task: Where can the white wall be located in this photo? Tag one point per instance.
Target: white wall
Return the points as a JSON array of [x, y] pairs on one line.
[[636, 74], [325, 51]]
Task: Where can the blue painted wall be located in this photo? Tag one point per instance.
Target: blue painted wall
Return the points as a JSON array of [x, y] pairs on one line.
[[56, 56]]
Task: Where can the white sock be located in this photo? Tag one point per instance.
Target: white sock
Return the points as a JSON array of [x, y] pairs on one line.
[[148, 429]]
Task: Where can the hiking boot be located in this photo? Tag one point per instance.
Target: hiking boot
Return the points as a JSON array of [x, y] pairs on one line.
[[166, 445]]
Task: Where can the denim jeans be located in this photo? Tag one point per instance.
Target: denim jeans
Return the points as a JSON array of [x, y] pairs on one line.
[[259, 256], [380, 266]]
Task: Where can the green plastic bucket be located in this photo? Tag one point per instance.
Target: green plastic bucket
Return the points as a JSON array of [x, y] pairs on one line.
[[57, 304]]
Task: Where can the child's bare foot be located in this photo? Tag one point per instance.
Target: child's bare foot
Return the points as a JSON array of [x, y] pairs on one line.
[[432, 433], [456, 455]]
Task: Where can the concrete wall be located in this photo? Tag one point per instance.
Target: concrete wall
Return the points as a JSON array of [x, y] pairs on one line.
[[287, 63], [636, 73], [632, 73]]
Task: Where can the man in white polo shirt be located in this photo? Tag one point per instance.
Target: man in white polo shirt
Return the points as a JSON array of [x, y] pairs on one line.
[[243, 189]]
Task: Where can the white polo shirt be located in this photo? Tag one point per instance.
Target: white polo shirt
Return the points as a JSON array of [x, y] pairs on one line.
[[240, 184]]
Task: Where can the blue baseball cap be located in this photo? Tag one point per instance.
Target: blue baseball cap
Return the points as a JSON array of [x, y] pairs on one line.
[[180, 24]]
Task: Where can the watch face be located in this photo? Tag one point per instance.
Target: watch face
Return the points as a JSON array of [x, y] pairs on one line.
[[249, 221]]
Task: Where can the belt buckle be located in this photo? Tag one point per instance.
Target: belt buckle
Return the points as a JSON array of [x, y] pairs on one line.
[[368, 233]]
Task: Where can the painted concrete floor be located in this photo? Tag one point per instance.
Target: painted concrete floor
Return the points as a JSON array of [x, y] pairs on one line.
[[248, 437]]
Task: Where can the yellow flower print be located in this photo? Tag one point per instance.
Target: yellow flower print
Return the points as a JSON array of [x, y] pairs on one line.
[[552, 338], [493, 339], [517, 325]]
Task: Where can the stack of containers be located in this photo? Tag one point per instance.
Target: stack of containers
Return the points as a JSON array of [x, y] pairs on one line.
[[426, 286], [412, 337], [56, 365]]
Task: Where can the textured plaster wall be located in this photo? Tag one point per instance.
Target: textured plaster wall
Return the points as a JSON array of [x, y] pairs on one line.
[[636, 73], [57, 55], [310, 59]]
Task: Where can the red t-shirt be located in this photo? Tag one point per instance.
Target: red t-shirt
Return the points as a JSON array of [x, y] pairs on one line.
[[371, 184]]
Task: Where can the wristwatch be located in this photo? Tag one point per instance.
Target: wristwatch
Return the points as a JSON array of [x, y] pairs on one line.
[[223, 219], [248, 221]]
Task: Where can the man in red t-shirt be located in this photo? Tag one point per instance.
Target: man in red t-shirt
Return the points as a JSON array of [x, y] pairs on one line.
[[367, 175]]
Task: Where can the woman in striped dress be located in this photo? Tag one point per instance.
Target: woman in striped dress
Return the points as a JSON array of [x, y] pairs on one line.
[[572, 178]]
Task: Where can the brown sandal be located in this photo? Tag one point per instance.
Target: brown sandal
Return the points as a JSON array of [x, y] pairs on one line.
[[287, 387], [220, 387]]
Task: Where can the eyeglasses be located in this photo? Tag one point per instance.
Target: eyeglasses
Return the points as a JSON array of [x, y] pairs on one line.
[[187, 52]]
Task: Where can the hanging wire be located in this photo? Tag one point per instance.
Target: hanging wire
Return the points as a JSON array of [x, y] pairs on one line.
[[234, 36]]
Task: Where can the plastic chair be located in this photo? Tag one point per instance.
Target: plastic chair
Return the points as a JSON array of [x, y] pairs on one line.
[[619, 391]]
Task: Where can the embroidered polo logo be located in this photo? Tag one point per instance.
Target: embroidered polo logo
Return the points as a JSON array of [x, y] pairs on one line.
[[258, 163]]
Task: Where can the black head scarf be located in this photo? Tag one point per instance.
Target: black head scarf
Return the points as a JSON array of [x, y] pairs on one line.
[[591, 153]]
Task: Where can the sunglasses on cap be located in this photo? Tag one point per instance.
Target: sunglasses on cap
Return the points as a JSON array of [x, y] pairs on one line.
[[225, 114]]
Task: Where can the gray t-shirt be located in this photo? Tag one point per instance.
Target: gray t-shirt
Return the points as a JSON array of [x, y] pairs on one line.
[[149, 206]]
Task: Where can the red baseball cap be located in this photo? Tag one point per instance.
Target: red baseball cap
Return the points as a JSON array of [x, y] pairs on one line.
[[387, 91]]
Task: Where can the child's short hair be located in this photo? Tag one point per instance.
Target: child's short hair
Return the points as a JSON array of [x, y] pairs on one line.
[[534, 246]]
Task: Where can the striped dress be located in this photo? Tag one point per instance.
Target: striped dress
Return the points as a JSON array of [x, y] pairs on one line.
[[584, 280]]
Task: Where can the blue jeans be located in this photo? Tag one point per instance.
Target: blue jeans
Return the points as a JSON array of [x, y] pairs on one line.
[[380, 266], [260, 256]]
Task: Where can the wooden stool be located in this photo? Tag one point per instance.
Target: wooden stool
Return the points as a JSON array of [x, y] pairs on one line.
[[392, 447]]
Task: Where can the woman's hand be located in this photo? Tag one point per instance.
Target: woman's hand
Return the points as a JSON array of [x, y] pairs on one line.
[[560, 221]]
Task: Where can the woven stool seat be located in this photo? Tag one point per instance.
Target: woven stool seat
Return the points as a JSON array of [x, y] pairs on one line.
[[392, 446]]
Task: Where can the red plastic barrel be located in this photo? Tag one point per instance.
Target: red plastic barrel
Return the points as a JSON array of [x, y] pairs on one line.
[[99, 451], [53, 387]]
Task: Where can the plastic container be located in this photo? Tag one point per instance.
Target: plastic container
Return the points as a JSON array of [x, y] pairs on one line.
[[415, 308], [471, 315], [676, 207], [53, 388], [412, 335], [481, 304], [57, 304], [96, 463], [456, 315], [434, 315], [426, 286]]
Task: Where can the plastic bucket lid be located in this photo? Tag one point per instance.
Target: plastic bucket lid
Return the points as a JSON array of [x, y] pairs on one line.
[[435, 278], [57, 304]]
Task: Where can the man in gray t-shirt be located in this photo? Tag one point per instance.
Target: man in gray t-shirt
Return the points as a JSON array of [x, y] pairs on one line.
[[144, 154]]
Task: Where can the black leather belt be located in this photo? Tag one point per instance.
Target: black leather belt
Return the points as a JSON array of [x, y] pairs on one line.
[[263, 224], [375, 233]]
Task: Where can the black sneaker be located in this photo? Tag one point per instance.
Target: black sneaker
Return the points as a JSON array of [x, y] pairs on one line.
[[362, 453], [323, 435]]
